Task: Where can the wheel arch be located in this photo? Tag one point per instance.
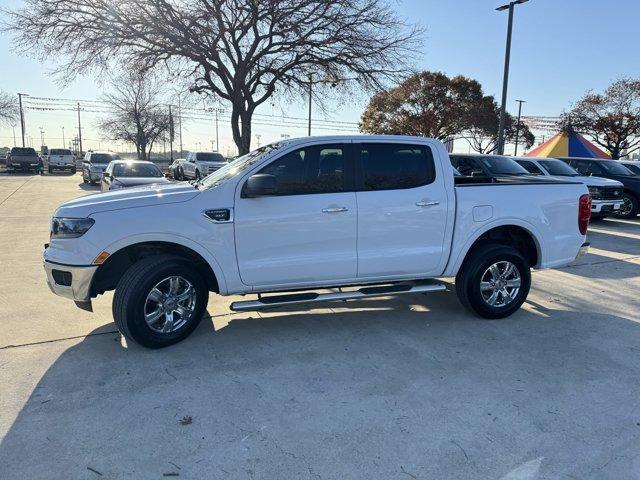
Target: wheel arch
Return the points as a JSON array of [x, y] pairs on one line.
[[517, 234], [125, 253]]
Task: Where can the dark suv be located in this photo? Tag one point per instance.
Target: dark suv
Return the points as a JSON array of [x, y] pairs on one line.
[[615, 170]]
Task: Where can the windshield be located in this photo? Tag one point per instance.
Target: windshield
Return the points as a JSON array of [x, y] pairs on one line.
[[23, 151], [633, 167], [136, 170], [615, 168], [239, 165], [502, 166], [559, 168], [59, 151], [104, 157], [210, 157]]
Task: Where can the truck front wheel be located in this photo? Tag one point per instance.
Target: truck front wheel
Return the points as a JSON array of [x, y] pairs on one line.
[[494, 281], [159, 301]]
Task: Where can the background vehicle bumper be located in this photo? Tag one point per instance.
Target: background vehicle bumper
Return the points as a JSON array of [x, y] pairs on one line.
[[605, 206], [70, 281]]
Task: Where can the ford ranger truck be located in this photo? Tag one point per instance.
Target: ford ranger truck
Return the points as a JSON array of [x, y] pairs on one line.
[[360, 216]]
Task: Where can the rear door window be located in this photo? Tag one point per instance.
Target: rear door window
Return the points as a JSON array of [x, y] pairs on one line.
[[586, 167], [467, 166], [390, 166]]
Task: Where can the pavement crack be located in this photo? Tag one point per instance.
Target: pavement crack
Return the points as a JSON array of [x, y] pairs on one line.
[[21, 185], [6, 347]]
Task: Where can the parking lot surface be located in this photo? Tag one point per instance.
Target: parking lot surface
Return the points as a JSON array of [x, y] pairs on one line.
[[411, 387]]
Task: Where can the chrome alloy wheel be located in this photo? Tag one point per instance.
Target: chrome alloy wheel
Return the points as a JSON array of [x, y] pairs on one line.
[[170, 304], [500, 284], [625, 208]]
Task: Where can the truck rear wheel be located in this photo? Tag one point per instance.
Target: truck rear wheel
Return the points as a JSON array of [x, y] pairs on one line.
[[159, 301], [629, 208], [494, 281]]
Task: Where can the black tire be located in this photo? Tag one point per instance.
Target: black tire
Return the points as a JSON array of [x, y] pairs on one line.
[[474, 267], [131, 294], [630, 207], [198, 175], [73, 171], [50, 170], [179, 174], [91, 182]]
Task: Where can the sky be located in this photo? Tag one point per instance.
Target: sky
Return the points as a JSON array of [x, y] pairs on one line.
[[561, 49]]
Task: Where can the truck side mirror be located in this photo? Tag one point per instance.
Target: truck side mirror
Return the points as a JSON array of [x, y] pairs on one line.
[[260, 185]]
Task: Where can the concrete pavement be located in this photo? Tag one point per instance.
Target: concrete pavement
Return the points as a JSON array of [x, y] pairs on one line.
[[397, 388]]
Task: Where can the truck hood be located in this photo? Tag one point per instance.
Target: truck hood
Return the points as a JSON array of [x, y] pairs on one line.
[[144, 196], [598, 181], [212, 164]]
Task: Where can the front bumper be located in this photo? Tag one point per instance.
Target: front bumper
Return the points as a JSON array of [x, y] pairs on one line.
[[605, 206], [70, 281]]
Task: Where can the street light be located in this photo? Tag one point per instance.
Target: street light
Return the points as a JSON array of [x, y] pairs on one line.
[[505, 81], [520, 102]]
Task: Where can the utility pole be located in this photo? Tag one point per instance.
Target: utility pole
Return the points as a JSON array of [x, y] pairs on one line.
[[63, 144], [170, 135], [217, 139], [20, 95], [14, 135], [310, 98], [180, 124], [505, 81], [79, 131], [41, 137], [520, 102]]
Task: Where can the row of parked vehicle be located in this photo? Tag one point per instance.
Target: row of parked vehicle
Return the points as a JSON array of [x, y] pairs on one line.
[[614, 186], [26, 159]]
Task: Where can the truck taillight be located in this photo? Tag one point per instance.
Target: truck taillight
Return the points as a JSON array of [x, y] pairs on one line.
[[584, 213]]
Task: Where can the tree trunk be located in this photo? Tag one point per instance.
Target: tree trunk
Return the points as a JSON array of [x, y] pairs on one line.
[[241, 127]]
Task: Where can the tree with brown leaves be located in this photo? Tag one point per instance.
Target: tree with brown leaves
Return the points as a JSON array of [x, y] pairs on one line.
[[241, 51], [611, 119]]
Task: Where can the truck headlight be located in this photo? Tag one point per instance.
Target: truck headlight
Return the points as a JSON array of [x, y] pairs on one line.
[[70, 227], [594, 192]]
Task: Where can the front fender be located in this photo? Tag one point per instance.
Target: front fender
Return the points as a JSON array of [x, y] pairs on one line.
[[179, 240]]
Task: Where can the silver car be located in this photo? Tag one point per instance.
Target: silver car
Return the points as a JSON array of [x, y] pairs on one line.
[[130, 173]]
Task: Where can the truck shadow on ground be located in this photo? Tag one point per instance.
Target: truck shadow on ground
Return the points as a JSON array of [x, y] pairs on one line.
[[381, 389]]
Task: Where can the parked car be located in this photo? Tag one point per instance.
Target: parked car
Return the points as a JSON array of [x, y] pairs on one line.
[[382, 215], [200, 164], [94, 164], [175, 169], [131, 173], [634, 166], [59, 159], [24, 159], [614, 170], [487, 166], [606, 194]]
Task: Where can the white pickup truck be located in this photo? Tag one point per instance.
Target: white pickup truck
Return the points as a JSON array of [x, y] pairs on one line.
[[360, 216]]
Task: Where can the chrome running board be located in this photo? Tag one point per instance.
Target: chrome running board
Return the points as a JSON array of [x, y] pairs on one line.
[[273, 301]]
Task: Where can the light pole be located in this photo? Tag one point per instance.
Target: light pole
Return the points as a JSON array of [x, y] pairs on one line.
[[505, 82], [41, 137], [63, 144], [520, 102]]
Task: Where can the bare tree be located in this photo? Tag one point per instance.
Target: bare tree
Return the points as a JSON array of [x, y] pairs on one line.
[[242, 51], [9, 111], [612, 118], [137, 114], [483, 132]]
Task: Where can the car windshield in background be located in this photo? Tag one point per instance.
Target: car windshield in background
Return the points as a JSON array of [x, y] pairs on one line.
[[502, 166], [104, 157], [634, 168], [239, 165], [210, 157], [23, 151], [614, 168], [60, 151], [559, 168], [136, 170]]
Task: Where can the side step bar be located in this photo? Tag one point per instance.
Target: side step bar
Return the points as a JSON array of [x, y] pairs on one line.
[[313, 297]]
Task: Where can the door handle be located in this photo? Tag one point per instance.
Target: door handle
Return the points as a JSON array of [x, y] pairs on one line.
[[426, 204], [334, 209]]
